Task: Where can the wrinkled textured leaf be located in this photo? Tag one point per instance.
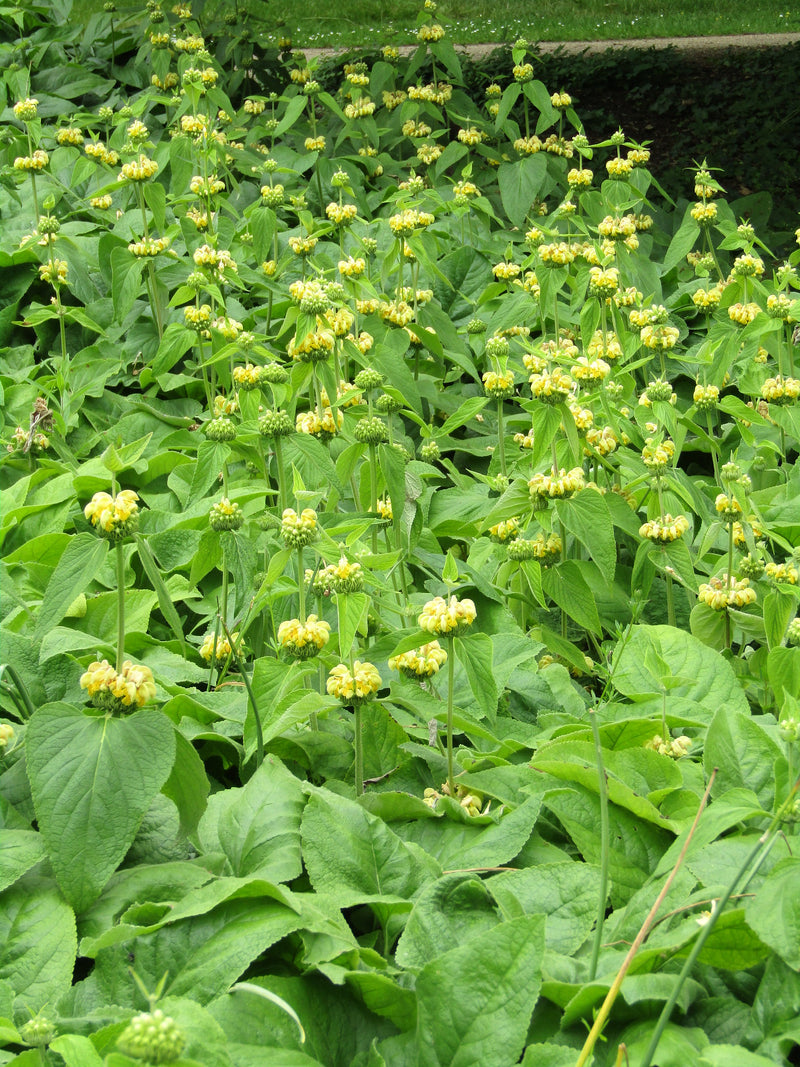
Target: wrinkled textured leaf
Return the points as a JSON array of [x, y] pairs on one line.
[[258, 826], [351, 853], [564, 893], [475, 1002], [92, 780], [38, 942], [774, 912]]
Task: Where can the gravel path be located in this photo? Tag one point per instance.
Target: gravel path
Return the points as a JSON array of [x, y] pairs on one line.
[[687, 44]]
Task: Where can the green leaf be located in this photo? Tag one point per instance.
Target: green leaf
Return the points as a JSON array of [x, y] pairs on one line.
[[241, 559], [476, 1001], [743, 753], [92, 780], [546, 422], [453, 909], [566, 893], [176, 341], [79, 565], [510, 96], [677, 1046], [203, 955], [352, 610], [779, 609], [682, 243], [187, 786], [313, 461], [165, 602], [462, 415], [38, 943], [76, 1051], [351, 853], [19, 851], [393, 469], [783, 671], [774, 912], [707, 678], [126, 281], [119, 459], [566, 585], [383, 740], [338, 1026], [548, 1055], [636, 845], [520, 184], [475, 654], [775, 1018], [732, 945], [586, 515], [450, 569], [631, 773], [467, 843], [258, 826], [732, 1056]]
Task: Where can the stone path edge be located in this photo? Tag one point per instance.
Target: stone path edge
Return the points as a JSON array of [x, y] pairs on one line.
[[686, 44]]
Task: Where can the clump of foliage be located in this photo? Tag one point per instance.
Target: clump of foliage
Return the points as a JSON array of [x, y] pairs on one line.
[[400, 625]]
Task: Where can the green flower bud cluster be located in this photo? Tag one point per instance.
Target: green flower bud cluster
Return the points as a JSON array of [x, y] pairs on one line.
[[789, 729], [275, 374], [429, 451], [48, 224], [152, 1037], [475, 326], [371, 431], [225, 515], [388, 405], [659, 390], [38, 1032], [497, 347], [368, 379], [751, 567], [272, 195], [275, 424], [220, 429], [300, 530]]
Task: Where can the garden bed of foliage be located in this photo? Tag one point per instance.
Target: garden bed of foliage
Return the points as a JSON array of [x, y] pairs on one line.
[[400, 638]]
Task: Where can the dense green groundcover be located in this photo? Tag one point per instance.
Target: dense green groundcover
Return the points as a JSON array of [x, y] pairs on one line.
[[400, 637]]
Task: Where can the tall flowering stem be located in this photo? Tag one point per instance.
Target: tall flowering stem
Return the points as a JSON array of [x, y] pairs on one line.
[[451, 788], [233, 641], [353, 686], [120, 567], [115, 518], [447, 618]]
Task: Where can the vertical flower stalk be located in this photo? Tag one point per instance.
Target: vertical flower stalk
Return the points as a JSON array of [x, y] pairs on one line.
[[297, 532], [447, 619], [116, 518], [498, 383], [354, 686], [225, 516], [54, 271], [37, 159], [276, 424], [137, 172]]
